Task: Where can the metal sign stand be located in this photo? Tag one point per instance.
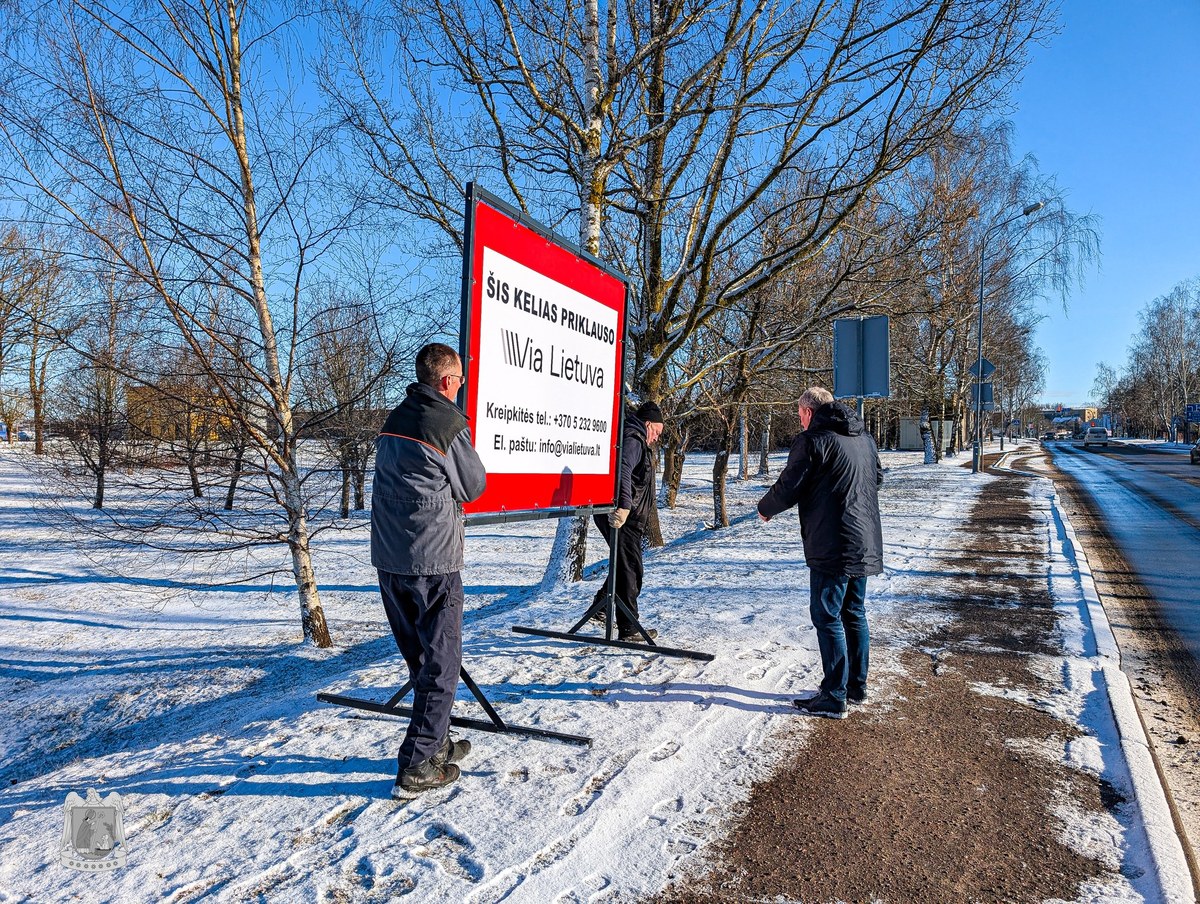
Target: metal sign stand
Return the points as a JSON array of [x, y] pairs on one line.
[[608, 605], [496, 724]]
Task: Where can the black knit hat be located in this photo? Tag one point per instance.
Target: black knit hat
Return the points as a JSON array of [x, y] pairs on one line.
[[650, 413]]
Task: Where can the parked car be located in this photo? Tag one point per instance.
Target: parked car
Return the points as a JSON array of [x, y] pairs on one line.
[[1196, 454], [1095, 436]]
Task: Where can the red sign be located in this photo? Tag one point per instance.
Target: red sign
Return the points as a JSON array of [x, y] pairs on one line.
[[543, 330]]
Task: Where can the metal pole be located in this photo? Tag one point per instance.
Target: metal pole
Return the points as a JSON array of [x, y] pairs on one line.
[[977, 457], [977, 451]]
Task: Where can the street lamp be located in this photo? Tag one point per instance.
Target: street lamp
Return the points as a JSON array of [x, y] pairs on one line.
[[977, 451]]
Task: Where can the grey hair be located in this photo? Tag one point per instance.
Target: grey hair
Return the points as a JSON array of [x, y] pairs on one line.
[[435, 361], [814, 397]]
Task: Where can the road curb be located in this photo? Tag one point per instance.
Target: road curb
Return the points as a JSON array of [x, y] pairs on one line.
[[1166, 848], [1164, 845]]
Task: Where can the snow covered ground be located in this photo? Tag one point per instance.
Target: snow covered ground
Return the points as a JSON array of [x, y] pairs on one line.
[[197, 704]]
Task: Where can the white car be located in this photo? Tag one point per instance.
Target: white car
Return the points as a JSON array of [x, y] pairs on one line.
[[1095, 436]]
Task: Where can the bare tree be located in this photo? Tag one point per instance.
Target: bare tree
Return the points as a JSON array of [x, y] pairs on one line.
[[1104, 387], [351, 365], [696, 112], [1164, 358], [172, 139], [36, 319], [957, 196], [13, 401]]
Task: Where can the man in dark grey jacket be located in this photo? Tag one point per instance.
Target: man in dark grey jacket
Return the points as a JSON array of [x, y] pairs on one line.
[[832, 475], [425, 468]]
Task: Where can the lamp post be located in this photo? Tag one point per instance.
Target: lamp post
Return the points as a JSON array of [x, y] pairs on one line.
[[977, 451]]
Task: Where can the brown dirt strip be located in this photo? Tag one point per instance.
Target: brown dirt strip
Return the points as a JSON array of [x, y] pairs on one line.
[[938, 793]]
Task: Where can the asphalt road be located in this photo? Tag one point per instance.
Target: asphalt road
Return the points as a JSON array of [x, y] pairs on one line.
[[1150, 502]]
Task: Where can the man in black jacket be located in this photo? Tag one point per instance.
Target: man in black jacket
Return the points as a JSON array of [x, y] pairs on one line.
[[832, 475], [635, 500], [425, 469]]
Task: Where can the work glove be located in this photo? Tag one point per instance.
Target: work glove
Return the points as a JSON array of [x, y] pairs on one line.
[[617, 518]]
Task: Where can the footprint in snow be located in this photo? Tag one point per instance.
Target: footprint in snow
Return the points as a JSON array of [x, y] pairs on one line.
[[594, 788], [669, 749], [450, 850], [679, 847], [662, 812]]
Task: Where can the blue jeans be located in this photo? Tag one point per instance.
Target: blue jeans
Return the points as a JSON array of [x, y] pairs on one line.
[[837, 604]]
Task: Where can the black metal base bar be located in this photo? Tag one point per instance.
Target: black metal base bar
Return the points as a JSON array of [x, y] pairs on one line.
[[457, 721], [623, 644]]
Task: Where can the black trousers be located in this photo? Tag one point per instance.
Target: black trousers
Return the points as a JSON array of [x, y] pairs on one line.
[[629, 568], [425, 612]]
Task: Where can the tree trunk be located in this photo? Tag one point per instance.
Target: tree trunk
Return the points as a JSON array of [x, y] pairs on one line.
[[98, 501], [940, 445], [668, 466], [345, 492], [360, 492], [239, 452], [720, 472], [312, 614], [194, 477], [675, 478], [743, 446], [764, 448], [927, 437], [37, 398], [568, 553], [654, 535]]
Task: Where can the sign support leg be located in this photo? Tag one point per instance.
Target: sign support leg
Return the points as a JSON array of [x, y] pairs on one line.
[[609, 605], [494, 724]]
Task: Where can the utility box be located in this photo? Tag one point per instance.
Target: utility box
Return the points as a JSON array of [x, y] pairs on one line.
[[910, 434]]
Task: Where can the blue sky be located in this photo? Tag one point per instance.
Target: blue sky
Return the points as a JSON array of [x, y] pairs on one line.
[[1112, 107]]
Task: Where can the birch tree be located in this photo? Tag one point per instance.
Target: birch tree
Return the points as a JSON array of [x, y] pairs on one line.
[[175, 138]]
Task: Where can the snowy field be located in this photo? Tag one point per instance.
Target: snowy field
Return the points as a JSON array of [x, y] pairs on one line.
[[197, 704]]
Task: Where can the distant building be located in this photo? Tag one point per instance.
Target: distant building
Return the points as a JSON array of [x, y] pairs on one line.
[[176, 412]]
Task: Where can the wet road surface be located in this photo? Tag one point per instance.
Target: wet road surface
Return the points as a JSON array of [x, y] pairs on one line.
[[1150, 502]]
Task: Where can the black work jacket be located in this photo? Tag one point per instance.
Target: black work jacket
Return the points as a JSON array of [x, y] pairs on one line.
[[636, 490], [832, 476]]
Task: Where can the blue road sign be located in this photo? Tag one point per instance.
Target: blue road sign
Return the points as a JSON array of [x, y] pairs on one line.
[[1193, 414], [988, 369], [861, 358], [989, 400]]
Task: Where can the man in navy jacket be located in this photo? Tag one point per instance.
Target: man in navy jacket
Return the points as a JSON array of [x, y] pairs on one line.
[[832, 476], [425, 469]]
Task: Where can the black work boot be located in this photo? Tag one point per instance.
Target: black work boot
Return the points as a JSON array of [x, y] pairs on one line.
[[633, 635], [424, 776], [822, 704], [857, 697], [453, 751]]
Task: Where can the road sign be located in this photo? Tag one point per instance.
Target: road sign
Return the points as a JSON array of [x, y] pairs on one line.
[[1193, 414], [861, 358], [988, 369], [543, 332], [989, 403]]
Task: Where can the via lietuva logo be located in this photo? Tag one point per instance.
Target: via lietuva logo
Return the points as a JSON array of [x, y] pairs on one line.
[[93, 838]]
